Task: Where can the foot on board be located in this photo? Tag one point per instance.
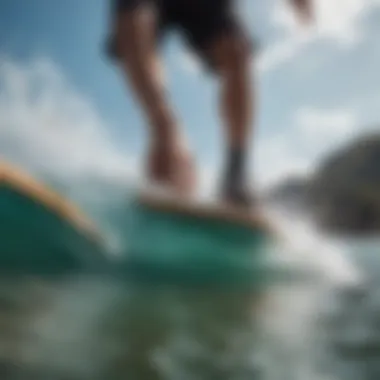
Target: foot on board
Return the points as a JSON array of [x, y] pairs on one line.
[[238, 196]]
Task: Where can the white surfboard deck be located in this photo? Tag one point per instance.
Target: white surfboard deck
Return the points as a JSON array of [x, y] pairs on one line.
[[166, 201]]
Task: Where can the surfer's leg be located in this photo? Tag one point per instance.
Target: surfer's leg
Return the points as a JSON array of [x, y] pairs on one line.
[[232, 57], [217, 35], [136, 28]]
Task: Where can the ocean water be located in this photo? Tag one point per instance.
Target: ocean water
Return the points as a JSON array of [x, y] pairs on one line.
[[319, 321]]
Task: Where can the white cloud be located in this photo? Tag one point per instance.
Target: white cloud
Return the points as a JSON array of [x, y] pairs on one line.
[[189, 62], [281, 52], [47, 127], [339, 21], [298, 149], [277, 157], [323, 127]]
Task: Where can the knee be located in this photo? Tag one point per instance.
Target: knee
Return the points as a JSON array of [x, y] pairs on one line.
[[133, 32], [240, 55], [233, 56]]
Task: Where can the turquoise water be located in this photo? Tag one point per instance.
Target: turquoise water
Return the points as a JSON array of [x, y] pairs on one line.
[[318, 318]]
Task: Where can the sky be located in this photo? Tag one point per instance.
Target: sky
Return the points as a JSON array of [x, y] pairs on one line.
[[65, 109]]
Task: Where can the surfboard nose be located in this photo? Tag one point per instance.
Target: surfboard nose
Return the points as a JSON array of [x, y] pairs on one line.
[[40, 231]]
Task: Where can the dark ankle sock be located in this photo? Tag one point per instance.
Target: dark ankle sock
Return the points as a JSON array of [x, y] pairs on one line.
[[235, 165]]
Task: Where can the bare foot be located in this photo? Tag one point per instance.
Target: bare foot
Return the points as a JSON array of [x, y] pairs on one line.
[[171, 164]]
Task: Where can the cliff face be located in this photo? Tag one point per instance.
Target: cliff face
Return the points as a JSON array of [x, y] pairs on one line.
[[344, 194]]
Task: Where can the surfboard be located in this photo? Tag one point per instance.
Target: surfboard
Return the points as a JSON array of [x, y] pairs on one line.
[[41, 232], [178, 237]]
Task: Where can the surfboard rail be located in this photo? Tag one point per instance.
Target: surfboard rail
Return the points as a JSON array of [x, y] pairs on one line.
[[42, 233], [18, 180]]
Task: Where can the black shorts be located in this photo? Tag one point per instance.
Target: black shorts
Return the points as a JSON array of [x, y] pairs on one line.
[[200, 21]]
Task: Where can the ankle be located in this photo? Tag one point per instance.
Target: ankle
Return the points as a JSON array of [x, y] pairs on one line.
[[235, 167], [164, 127], [167, 140]]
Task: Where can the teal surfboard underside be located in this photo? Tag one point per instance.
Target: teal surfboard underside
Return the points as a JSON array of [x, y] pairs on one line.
[[41, 234], [34, 238], [187, 247]]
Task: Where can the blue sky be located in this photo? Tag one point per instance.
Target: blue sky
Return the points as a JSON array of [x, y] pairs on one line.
[[64, 107]]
